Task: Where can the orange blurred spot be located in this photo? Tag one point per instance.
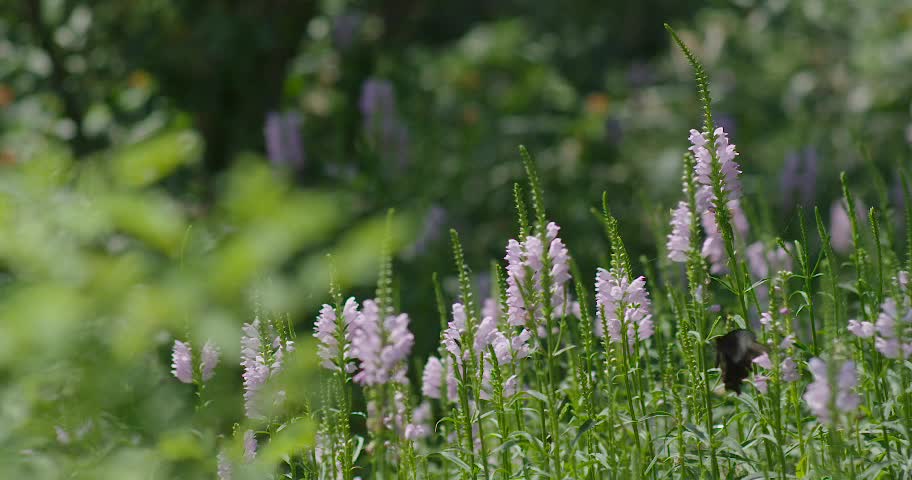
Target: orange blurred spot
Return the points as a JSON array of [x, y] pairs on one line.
[[7, 158], [470, 80], [139, 79], [597, 103], [470, 115], [6, 95]]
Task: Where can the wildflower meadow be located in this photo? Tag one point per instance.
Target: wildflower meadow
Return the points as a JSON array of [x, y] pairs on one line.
[[747, 325], [632, 372]]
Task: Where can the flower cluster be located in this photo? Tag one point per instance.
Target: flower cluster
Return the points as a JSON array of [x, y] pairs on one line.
[[282, 133], [262, 353], [334, 338], [726, 154], [621, 302], [182, 361], [384, 128], [380, 345], [764, 261], [679, 239], [820, 394], [525, 259], [893, 328], [438, 381]]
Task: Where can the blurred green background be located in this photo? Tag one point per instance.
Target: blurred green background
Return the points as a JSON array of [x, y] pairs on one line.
[[169, 167]]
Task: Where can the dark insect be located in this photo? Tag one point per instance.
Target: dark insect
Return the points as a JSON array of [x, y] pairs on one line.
[[735, 352]]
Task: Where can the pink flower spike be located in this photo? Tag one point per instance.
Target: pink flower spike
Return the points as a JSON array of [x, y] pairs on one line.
[[182, 362], [764, 361]]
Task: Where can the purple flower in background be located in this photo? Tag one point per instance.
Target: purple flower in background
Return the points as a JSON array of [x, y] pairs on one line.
[[419, 427], [841, 225], [739, 219], [63, 437], [789, 370], [432, 378], [209, 360], [892, 324], [431, 228], [490, 308], [283, 139], [182, 362], [622, 302], [345, 29], [679, 239], [799, 175], [762, 383], [714, 246], [641, 74], [727, 123], [250, 446], [846, 399], [819, 393], [224, 466], [614, 130], [765, 261], [384, 128], [861, 329]]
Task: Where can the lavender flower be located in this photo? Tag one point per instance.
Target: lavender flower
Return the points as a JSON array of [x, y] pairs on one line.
[[260, 361], [182, 362], [250, 446], [327, 329], [703, 167], [209, 360], [419, 427], [256, 372], [714, 245], [224, 466], [432, 378], [861, 329], [527, 257], [431, 227], [283, 139], [560, 269], [846, 399], [819, 393], [799, 175], [841, 225], [381, 348], [384, 128], [490, 308], [622, 302], [345, 30], [893, 325], [763, 261], [63, 437], [789, 370], [679, 239], [764, 361], [761, 382], [739, 218]]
